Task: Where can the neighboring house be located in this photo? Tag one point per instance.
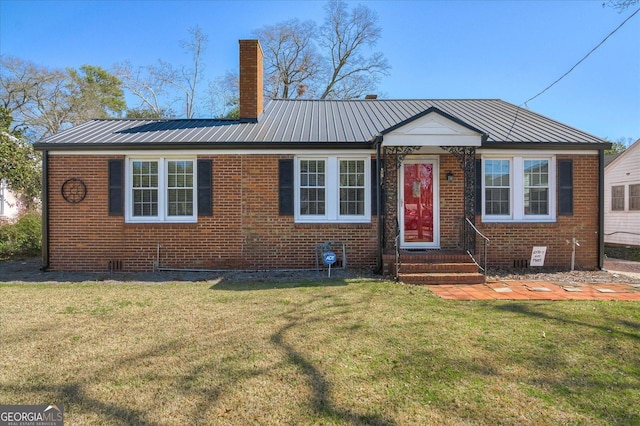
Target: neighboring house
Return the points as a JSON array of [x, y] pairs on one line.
[[622, 198], [9, 204], [262, 191]]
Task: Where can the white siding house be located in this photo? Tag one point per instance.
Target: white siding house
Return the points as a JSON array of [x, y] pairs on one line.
[[622, 198], [9, 206]]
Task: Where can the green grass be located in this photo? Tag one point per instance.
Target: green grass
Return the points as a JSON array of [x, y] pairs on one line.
[[326, 352]]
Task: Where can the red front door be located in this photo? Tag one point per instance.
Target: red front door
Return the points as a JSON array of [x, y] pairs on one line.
[[419, 203]]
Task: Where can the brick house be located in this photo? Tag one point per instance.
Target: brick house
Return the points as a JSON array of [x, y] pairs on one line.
[[396, 181]]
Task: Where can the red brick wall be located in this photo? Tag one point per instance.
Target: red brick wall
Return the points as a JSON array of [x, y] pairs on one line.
[[514, 241], [245, 231], [451, 202], [251, 79]]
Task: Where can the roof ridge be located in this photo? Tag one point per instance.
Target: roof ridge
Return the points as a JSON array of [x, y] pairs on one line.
[[160, 119], [388, 99]]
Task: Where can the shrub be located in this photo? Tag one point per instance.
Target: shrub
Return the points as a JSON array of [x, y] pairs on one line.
[[22, 238], [619, 252]]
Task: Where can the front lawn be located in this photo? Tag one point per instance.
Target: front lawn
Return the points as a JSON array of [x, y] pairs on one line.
[[326, 352]]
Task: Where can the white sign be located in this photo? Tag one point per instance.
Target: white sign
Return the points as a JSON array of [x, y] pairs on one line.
[[537, 256]]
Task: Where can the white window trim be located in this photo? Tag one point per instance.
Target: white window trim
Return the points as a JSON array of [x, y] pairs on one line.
[[163, 191], [332, 191], [516, 190]]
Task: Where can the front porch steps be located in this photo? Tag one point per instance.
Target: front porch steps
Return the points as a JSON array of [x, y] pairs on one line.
[[434, 268]]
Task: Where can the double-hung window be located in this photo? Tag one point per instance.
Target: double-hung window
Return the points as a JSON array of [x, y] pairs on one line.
[[332, 189], [161, 190], [536, 187], [518, 189], [312, 188], [352, 187], [617, 198], [497, 184], [634, 197]]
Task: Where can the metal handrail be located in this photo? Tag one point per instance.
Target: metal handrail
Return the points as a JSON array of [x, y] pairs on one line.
[[397, 252], [485, 243]]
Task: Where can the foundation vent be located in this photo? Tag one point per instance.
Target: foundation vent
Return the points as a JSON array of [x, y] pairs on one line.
[[520, 263], [115, 266]]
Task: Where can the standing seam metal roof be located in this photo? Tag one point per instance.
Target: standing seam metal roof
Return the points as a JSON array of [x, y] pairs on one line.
[[324, 121]]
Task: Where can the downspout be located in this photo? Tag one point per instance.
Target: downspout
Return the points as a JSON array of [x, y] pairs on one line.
[[379, 266], [601, 209], [45, 211]]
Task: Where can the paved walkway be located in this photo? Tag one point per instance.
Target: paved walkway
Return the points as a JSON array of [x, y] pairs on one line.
[[537, 290]]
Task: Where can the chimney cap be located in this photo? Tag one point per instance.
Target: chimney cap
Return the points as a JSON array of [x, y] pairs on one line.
[[371, 96]]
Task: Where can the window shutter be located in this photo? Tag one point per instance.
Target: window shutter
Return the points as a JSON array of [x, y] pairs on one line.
[[205, 207], [565, 187], [478, 186], [116, 187], [285, 187], [375, 185]]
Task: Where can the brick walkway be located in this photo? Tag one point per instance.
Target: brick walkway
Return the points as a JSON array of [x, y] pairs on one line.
[[536, 290]]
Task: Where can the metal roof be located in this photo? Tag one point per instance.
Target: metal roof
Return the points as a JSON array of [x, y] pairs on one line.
[[314, 123]]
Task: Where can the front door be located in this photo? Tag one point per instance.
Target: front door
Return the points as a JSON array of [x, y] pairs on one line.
[[419, 204]]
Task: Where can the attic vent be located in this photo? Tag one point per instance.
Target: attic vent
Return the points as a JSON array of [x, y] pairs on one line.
[[115, 265], [520, 263], [371, 97]]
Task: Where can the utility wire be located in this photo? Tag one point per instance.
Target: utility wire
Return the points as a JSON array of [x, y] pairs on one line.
[[572, 68], [585, 57]]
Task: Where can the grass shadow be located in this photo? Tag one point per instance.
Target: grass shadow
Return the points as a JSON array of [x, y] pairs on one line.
[[28, 271], [528, 309], [274, 284]]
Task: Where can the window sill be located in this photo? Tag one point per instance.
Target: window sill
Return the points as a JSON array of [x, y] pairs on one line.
[[329, 222], [155, 222], [525, 221]]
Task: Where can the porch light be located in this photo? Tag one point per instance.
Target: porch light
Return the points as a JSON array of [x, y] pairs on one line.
[[449, 176]]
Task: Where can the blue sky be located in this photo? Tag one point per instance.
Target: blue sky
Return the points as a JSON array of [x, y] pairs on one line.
[[437, 49]]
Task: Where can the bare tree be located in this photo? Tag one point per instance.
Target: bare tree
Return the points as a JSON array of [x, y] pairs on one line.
[[158, 87], [291, 61], [44, 101], [345, 35], [332, 62], [222, 99], [189, 77], [150, 85], [36, 97], [620, 5]]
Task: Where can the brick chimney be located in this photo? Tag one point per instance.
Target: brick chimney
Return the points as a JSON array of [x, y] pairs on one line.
[[251, 80]]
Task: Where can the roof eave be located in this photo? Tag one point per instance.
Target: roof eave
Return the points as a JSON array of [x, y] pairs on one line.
[[202, 145], [546, 145]]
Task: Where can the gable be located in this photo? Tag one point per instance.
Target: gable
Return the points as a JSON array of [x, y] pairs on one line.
[[629, 159], [433, 128]]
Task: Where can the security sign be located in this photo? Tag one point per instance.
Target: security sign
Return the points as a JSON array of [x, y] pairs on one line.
[[329, 257]]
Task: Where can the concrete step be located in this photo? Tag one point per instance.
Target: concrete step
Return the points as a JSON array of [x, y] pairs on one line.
[[441, 278], [434, 258], [441, 267]]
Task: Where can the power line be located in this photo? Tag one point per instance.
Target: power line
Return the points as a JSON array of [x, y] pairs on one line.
[[585, 57], [571, 69]]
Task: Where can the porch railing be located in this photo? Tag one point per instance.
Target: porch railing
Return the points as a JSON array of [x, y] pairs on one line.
[[470, 227]]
